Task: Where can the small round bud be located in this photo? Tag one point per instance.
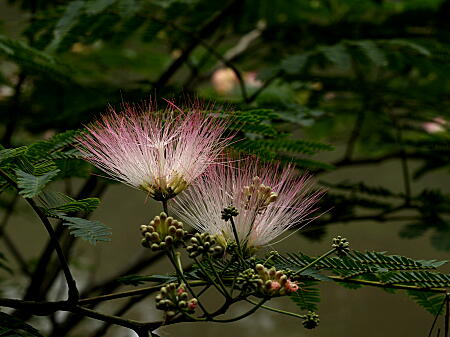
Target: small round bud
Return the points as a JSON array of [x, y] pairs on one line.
[[179, 233], [259, 267], [279, 274], [168, 240], [170, 313], [154, 237]]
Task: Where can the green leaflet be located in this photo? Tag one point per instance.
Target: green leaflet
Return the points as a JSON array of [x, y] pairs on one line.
[[30, 185], [89, 230]]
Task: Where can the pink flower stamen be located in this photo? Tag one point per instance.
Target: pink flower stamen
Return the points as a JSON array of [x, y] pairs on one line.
[[160, 152], [270, 200]]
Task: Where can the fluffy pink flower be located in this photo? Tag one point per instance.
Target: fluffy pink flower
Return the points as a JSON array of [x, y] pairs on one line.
[[160, 152], [269, 200]]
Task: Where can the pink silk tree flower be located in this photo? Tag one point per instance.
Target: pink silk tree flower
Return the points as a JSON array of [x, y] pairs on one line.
[[269, 200], [160, 152]]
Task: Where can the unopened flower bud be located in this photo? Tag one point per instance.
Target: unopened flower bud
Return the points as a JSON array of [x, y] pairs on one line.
[[168, 240], [145, 243], [154, 237], [259, 267], [192, 304], [170, 313], [311, 320]]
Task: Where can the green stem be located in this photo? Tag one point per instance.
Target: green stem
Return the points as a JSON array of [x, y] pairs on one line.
[[170, 254], [211, 279], [129, 293], [73, 294], [201, 292], [236, 237], [219, 279], [298, 272], [165, 208], [386, 285], [248, 313], [288, 313]]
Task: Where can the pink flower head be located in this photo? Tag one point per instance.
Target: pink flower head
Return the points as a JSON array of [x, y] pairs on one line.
[[160, 152], [269, 199]]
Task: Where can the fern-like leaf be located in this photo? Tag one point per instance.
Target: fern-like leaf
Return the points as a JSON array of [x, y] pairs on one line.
[[91, 231], [30, 185], [307, 297], [431, 302]]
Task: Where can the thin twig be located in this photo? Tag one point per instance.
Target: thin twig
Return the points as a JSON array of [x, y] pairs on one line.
[[437, 316], [73, 290], [447, 313]]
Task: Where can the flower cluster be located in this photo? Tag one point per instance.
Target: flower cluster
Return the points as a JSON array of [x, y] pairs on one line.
[[162, 232], [174, 299], [203, 244], [268, 282], [341, 245], [265, 200], [311, 320], [160, 152]]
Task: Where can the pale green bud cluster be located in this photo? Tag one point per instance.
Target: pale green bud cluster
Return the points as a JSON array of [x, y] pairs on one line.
[[162, 232], [173, 299], [204, 244], [268, 282], [229, 212], [311, 320], [341, 245], [260, 193], [164, 189]]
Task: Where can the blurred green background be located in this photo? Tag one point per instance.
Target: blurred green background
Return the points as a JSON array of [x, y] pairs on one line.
[[356, 92]]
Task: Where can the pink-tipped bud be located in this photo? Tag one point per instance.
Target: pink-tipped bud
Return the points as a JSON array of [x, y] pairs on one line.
[[192, 304], [275, 285], [291, 286]]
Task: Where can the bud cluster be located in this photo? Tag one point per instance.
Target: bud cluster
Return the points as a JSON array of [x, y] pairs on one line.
[[172, 300], [341, 245], [203, 244], [167, 188], [229, 212], [311, 320], [268, 281], [162, 232]]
